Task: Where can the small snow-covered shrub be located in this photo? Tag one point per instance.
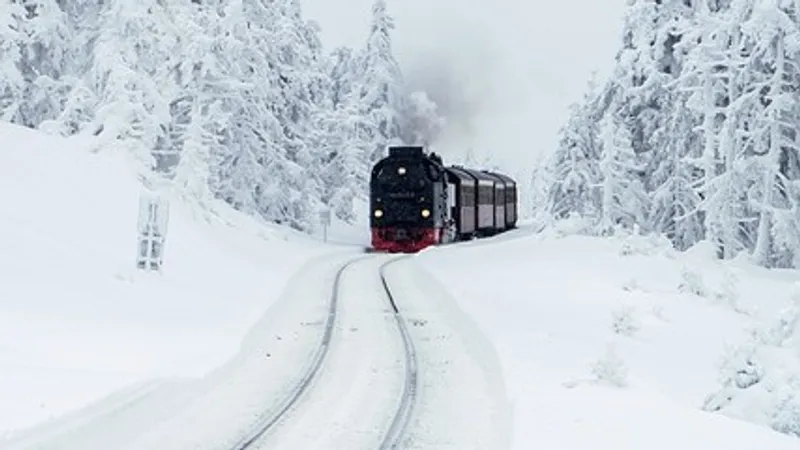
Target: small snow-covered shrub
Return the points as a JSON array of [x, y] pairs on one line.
[[572, 225], [741, 366], [692, 283], [623, 321], [632, 285], [760, 379], [785, 327], [610, 369], [635, 244], [729, 291], [739, 370], [785, 411]]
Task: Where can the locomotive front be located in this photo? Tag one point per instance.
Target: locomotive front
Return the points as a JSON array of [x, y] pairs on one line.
[[407, 201]]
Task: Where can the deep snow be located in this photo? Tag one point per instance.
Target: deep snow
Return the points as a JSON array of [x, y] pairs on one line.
[[617, 342], [533, 339], [77, 320]]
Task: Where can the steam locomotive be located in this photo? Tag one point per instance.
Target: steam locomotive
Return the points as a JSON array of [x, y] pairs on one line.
[[417, 202]]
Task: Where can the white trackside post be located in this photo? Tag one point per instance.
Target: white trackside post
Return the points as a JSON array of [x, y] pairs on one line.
[[152, 230], [325, 218]]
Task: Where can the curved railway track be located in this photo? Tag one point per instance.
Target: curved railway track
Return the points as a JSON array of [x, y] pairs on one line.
[[402, 417], [392, 439]]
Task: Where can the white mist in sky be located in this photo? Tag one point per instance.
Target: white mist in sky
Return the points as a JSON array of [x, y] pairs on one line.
[[503, 72]]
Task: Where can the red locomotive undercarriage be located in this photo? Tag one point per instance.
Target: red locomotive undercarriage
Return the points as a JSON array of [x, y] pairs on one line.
[[404, 240]]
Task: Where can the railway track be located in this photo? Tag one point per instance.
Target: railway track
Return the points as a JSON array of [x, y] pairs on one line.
[[393, 436]]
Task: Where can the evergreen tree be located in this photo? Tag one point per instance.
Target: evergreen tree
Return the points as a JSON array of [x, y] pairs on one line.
[[624, 200], [575, 165], [44, 42], [136, 45], [701, 138], [230, 99], [380, 98], [774, 36], [12, 81]]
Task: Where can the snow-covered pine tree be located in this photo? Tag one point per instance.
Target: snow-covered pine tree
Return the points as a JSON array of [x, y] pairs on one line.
[[687, 165], [209, 94], [343, 75], [234, 95], [12, 81], [83, 18], [379, 92], [250, 167], [708, 91], [345, 168], [675, 204], [636, 103], [136, 47], [646, 66], [624, 202], [575, 165], [773, 32], [305, 87], [45, 61]]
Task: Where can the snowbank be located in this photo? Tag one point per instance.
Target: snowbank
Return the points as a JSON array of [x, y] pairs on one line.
[[624, 343], [77, 321]]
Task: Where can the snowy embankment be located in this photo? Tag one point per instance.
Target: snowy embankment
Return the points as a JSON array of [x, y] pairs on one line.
[[622, 343], [77, 321]]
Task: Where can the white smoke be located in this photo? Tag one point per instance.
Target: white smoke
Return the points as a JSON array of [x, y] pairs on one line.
[[501, 72]]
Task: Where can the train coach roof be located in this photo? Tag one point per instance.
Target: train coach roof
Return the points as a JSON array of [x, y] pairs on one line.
[[478, 175], [506, 179], [499, 182], [460, 173]]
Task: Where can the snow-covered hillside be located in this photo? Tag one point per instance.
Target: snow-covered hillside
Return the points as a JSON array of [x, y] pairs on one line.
[[77, 320], [602, 342], [622, 342]]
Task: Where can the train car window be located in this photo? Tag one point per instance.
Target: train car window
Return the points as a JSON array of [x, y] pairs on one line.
[[485, 195], [467, 195]]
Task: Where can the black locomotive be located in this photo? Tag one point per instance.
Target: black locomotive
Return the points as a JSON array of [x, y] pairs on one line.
[[416, 202]]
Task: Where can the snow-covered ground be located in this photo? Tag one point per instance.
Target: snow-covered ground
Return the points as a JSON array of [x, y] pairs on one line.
[[77, 320], [619, 343], [527, 340]]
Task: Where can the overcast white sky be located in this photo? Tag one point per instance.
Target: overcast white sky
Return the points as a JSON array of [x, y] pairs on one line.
[[503, 70]]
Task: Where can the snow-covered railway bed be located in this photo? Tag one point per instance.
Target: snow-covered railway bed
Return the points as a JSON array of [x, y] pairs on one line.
[[271, 371], [363, 394], [360, 352], [461, 401], [406, 369]]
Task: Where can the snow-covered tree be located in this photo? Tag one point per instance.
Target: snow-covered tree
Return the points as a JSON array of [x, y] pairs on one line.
[[776, 47], [136, 46], [675, 203], [624, 201], [575, 165], [380, 92], [234, 99], [12, 81], [343, 76], [45, 44]]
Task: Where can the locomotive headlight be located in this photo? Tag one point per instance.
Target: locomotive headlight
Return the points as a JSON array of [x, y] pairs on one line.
[[378, 213], [426, 213], [401, 170]]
